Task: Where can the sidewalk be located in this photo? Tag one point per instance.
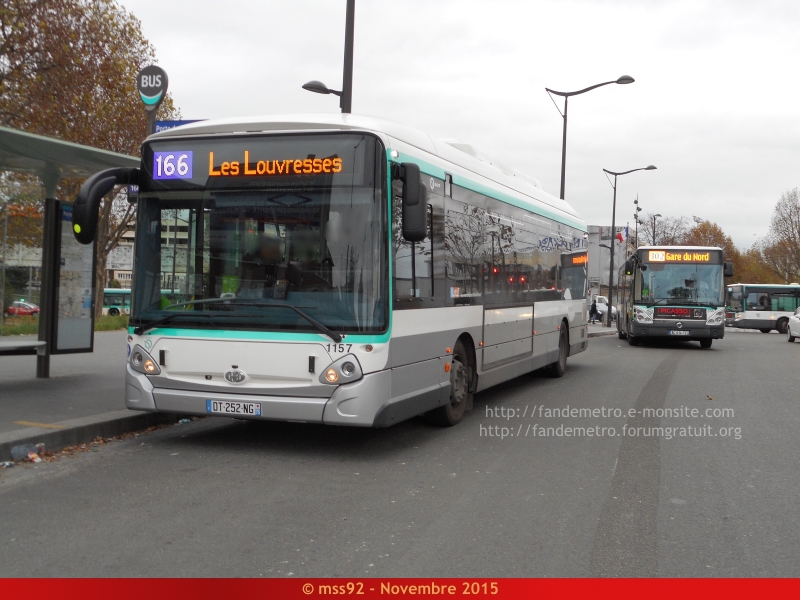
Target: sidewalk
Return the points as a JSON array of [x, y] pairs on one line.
[[598, 330], [83, 399]]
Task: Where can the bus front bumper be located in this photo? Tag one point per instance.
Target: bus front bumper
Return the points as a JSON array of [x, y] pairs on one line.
[[688, 330], [363, 403]]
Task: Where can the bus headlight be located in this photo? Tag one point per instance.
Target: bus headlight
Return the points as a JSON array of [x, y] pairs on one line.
[[716, 317], [343, 370], [142, 362], [642, 314]]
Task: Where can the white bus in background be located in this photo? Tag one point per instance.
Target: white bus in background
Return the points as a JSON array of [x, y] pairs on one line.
[[343, 270], [765, 307]]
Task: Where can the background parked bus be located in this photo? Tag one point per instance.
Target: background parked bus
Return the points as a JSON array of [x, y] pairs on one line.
[[674, 291], [117, 301], [762, 307]]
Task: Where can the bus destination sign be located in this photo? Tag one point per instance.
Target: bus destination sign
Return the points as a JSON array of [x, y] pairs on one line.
[[178, 165], [682, 256]]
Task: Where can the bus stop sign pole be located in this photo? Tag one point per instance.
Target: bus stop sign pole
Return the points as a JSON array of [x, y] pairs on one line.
[[152, 83]]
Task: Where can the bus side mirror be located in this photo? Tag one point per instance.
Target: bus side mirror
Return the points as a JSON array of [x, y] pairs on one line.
[[87, 202], [727, 269], [415, 209]]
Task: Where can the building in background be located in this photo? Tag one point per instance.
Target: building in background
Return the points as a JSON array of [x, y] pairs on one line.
[[599, 243]]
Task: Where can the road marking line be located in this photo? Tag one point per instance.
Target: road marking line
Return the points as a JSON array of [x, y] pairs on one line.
[[44, 425]]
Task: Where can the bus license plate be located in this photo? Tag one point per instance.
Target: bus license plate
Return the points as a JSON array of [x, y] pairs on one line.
[[679, 332], [219, 407]]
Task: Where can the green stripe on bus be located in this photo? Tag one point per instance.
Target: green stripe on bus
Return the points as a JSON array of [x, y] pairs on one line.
[[262, 336]]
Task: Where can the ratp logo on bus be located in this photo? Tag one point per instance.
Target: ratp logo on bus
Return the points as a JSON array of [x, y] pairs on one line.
[[657, 256]]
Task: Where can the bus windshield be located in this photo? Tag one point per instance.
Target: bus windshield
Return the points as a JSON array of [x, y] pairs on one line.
[[234, 250], [685, 283]]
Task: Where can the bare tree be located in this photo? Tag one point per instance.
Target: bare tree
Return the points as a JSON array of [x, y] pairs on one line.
[[669, 231], [781, 248]]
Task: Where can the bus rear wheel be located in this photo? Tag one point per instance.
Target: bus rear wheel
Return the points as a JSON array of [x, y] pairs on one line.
[[782, 325], [558, 368], [451, 413], [113, 312], [705, 343]]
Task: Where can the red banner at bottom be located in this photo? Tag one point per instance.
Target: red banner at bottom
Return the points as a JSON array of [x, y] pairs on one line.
[[230, 589]]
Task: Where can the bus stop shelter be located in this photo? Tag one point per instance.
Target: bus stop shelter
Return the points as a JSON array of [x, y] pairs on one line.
[[52, 160]]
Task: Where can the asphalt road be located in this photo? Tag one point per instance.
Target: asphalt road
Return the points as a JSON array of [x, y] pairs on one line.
[[217, 497]]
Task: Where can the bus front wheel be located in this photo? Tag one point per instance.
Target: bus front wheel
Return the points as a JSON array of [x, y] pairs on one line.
[[632, 341], [705, 343], [113, 312], [451, 413]]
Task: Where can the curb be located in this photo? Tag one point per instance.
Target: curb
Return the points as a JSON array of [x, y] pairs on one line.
[[82, 430], [593, 334]]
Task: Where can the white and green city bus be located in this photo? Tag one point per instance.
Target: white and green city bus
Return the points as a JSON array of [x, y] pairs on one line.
[[673, 291], [765, 307], [116, 301], [341, 269]]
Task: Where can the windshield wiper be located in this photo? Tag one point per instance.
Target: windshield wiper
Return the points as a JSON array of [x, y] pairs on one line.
[[237, 301], [331, 334]]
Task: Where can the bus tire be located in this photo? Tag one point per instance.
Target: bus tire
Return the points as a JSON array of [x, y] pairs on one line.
[[782, 325], [632, 341], [706, 343], [113, 312], [451, 413], [765, 330], [558, 368]]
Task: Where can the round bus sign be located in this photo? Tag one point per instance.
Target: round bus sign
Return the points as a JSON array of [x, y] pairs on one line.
[[152, 85]]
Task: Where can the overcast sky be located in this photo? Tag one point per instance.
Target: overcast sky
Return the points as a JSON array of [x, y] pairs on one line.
[[715, 104]]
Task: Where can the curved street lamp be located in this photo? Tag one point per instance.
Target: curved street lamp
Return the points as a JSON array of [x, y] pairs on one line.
[[346, 95], [654, 227], [613, 231], [625, 79]]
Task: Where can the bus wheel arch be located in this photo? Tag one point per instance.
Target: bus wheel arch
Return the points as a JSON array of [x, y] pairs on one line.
[[113, 312]]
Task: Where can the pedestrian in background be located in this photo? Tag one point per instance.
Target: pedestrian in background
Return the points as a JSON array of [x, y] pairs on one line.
[[593, 312]]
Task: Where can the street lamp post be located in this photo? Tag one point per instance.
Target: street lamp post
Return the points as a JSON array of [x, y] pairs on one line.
[[636, 218], [346, 95], [654, 227], [613, 231], [622, 80]]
